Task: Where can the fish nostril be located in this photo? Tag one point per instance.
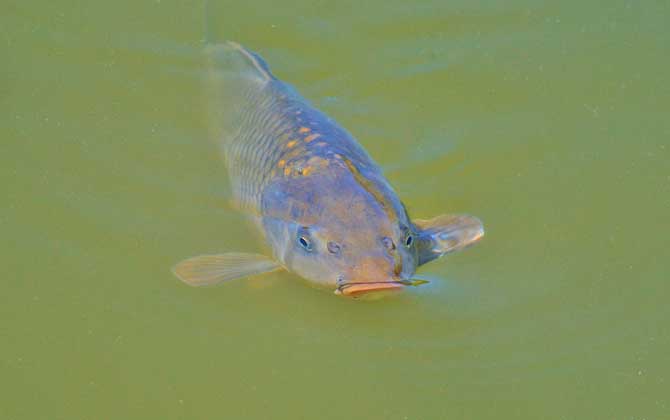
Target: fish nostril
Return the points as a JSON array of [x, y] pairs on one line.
[[388, 243], [333, 248]]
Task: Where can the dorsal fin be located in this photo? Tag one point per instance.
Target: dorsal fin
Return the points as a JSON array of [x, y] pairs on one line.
[[238, 81], [231, 57], [255, 60]]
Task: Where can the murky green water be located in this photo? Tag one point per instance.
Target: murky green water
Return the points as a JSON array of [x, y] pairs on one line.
[[549, 121]]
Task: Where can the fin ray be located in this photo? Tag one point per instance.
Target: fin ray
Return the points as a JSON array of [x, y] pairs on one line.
[[230, 59], [445, 234], [208, 270]]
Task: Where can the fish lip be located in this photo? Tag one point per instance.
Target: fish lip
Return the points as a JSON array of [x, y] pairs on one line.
[[359, 288], [477, 236]]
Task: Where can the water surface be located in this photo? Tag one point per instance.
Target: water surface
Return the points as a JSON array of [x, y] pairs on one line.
[[548, 121]]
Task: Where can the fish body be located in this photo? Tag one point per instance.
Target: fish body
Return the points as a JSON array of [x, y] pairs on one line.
[[323, 205]]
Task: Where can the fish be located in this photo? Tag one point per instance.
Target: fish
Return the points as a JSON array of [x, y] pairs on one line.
[[322, 205]]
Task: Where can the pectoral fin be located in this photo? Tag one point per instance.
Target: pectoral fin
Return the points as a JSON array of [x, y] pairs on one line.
[[207, 270], [447, 233]]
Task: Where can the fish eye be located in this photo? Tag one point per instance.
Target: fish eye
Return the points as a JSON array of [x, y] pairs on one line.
[[388, 243], [408, 241], [305, 243], [333, 248]]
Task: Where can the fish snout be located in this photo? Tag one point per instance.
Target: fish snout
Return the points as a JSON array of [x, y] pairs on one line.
[[370, 274], [354, 289]]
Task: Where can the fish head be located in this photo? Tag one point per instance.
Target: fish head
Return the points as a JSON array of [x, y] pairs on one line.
[[346, 229], [335, 231]]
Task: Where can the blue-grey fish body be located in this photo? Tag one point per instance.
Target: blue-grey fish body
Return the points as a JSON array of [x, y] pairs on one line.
[[322, 203]]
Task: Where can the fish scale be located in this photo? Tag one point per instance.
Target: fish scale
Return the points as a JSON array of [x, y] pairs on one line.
[[270, 114], [323, 205]]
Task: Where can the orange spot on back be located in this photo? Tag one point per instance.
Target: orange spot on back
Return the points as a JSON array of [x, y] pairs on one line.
[[293, 153], [317, 162], [312, 137], [281, 163], [291, 143], [304, 130], [307, 170], [287, 171]]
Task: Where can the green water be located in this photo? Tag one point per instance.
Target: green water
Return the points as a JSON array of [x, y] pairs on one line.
[[548, 121]]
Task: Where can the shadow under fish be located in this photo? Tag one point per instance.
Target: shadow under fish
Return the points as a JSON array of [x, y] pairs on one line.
[[322, 204]]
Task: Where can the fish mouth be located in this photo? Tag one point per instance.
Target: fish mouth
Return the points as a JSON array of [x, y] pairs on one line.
[[360, 288]]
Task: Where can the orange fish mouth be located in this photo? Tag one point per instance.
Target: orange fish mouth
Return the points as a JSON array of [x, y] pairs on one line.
[[357, 289]]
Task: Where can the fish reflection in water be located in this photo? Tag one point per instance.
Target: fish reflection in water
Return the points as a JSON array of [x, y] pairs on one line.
[[322, 204]]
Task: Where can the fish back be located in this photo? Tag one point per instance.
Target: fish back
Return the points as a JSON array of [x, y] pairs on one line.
[[249, 115], [263, 125]]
